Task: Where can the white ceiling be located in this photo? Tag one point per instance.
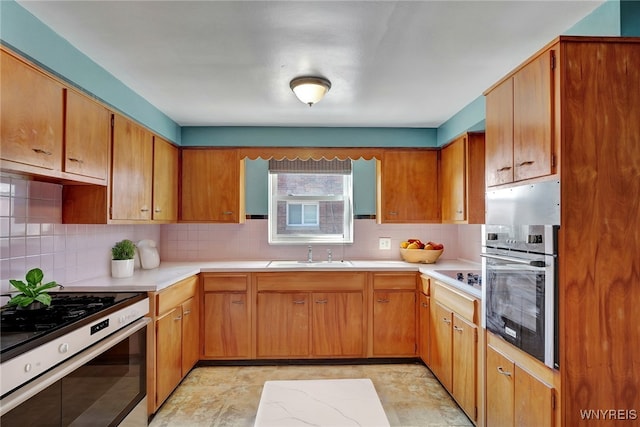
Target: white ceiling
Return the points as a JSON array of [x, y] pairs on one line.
[[229, 63]]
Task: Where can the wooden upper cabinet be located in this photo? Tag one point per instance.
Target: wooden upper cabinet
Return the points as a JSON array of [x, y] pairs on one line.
[[212, 183], [463, 168], [408, 187], [499, 134], [532, 118], [32, 115], [165, 180], [520, 123], [132, 167], [87, 137]]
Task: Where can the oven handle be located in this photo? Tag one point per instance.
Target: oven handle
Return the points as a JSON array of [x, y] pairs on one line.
[[537, 263], [38, 384]]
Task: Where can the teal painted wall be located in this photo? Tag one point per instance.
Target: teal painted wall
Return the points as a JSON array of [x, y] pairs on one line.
[[23, 32], [604, 21], [470, 118], [630, 18], [309, 136]]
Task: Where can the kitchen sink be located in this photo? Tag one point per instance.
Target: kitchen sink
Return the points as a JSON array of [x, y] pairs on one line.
[[308, 264]]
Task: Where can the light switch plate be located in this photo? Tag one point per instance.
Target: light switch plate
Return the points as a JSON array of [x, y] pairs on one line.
[[384, 243]]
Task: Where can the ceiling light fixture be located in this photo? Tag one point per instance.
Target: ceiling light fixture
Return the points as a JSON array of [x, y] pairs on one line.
[[310, 89]]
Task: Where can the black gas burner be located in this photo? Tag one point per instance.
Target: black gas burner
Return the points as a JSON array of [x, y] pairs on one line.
[[67, 310]]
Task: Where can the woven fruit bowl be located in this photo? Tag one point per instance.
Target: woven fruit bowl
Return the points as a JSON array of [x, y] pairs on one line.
[[424, 256]]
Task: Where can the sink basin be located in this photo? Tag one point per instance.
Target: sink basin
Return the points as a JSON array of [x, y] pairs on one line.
[[307, 264]]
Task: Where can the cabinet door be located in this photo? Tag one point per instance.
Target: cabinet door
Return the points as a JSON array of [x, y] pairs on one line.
[[165, 180], [425, 328], [31, 123], [454, 167], [442, 344], [394, 323], [283, 324], [132, 168], [212, 186], [534, 401], [168, 353], [338, 324], [499, 134], [500, 389], [226, 325], [87, 137], [408, 191], [532, 118], [465, 365], [190, 335]]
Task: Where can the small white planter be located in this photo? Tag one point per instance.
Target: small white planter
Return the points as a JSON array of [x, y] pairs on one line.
[[122, 268]]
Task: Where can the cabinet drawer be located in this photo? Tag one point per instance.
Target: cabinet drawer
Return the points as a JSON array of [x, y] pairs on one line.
[[394, 281], [463, 305], [311, 281], [176, 294], [227, 283]]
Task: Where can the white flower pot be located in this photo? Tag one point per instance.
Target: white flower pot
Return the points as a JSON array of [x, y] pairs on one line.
[[122, 268]]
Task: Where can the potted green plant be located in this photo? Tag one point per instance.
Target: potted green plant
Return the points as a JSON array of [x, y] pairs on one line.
[[33, 294], [122, 258]]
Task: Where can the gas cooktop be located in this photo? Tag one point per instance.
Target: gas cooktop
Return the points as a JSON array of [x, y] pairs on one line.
[[24, 329]]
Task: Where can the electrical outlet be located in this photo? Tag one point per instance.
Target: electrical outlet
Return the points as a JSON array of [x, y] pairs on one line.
[[384, 243]]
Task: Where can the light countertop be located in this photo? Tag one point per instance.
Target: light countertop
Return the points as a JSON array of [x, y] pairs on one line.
[[169, 273]]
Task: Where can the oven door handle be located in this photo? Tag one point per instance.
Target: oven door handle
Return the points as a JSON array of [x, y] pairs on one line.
[[535, 263]]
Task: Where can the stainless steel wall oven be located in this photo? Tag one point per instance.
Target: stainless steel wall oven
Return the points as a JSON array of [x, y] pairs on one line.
[[520, 292]]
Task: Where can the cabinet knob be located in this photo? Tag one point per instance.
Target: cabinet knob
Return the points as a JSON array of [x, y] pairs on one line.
[[447, 321], [41, 151], [457, 329], [503, 372], [425, 305]]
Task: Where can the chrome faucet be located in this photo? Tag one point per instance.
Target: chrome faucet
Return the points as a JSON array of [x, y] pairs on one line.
[[309, 254]]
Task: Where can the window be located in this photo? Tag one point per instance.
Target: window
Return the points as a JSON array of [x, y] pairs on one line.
[[310, 201]]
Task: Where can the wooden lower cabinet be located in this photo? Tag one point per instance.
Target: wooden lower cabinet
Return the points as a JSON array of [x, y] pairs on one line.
[[338, 324], [226, 316], [283, 324], [465, 365], [176, 339], [442, 345], [310, 314], [514, 396]]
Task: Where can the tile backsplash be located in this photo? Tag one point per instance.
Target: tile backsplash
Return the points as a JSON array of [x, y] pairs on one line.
[[32, 235]]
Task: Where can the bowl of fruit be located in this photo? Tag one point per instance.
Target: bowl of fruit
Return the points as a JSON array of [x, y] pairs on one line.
[[413, 250]]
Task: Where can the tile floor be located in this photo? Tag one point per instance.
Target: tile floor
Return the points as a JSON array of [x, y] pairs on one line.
[[229, 395]]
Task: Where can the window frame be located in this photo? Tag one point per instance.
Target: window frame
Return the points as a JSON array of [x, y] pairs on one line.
[[308, 238]]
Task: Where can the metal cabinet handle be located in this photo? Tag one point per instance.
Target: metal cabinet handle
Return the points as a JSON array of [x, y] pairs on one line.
[[178, 318], [237, 302], [322, 301], [425, 305], [186, 312], [144, 210], [393, 213], [506, 168], [383, 301], [227, 213], [457, 329], [41, 151], [301, 301], [447, 321], [527, 163], [503, 372], [158, 210], [73, 159]]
